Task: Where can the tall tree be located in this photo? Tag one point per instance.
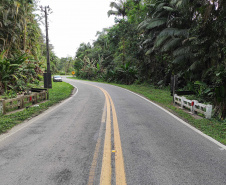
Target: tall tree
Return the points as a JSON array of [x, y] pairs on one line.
[[120, 8]]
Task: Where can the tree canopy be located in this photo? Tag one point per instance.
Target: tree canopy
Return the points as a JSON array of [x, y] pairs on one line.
[[154, 39]]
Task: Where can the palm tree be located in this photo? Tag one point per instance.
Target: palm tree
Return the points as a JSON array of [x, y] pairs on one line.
[[120, 11], [120, 8]]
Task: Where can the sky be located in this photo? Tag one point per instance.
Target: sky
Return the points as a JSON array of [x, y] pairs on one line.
[[73, 22]]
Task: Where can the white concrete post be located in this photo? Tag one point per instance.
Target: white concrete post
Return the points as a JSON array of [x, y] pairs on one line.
[[1, 107], [193, 108], [208, 111], [182, 101], [174, 99]]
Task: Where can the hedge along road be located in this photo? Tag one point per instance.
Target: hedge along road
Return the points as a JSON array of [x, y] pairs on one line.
[[85, 140]]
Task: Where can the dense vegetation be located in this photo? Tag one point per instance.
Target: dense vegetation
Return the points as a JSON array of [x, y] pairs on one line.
[[150, 41], [23, 48], [20, 45], [154, 39]]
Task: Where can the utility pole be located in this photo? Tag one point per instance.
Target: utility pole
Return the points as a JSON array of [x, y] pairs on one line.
[[47, 75], [47, 40]]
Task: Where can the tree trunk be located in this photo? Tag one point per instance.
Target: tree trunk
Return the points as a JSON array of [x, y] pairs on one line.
[[25, 31]]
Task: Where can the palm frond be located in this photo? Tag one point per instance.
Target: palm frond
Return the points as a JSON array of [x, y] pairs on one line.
[[160, 6], [168, 8], [143, 24], [171, 44], [174, 32], [179, 3], [147, 41], [182, 51], [120, 8], [181, 59], [160, 40], [151, 5], [195, 65], [156, 22], [173, 2], [160, 14], [188, 40], [112, 12], [114, 5]]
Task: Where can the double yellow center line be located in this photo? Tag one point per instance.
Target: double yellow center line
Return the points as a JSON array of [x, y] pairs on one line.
[[106, 171]]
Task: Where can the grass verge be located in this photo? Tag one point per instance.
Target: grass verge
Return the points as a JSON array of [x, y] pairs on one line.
[[59, 91], [214, 128]]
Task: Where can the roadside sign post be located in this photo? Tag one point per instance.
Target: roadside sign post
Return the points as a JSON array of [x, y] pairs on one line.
[[73, 73]]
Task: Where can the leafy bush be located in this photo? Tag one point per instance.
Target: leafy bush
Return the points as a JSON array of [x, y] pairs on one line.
[[10, 94], [17, 71]]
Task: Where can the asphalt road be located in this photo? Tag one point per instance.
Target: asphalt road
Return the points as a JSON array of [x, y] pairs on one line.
[[107, 135]]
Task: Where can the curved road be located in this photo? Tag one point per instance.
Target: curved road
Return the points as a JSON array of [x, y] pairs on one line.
[[107, 135]]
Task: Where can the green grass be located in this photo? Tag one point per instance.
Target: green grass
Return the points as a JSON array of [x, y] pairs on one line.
[[215, 128], [60, 91]]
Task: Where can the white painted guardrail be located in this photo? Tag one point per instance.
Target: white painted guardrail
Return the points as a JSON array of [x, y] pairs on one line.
[[194, 106]]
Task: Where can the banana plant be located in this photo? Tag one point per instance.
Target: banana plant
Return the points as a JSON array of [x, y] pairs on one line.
[[8, 68]]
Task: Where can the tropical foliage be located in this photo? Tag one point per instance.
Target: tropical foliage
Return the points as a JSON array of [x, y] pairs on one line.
[[154, 39], [22, 47], [21, 54], [150, 41]]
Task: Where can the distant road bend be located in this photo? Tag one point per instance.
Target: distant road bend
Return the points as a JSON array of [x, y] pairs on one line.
[[107, 135]]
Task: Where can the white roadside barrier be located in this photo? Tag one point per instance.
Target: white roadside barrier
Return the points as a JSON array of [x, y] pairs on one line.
[[194, 106]]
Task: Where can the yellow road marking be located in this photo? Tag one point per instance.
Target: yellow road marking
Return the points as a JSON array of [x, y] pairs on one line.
[[105, 178], [119, 162], [97, 149]]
